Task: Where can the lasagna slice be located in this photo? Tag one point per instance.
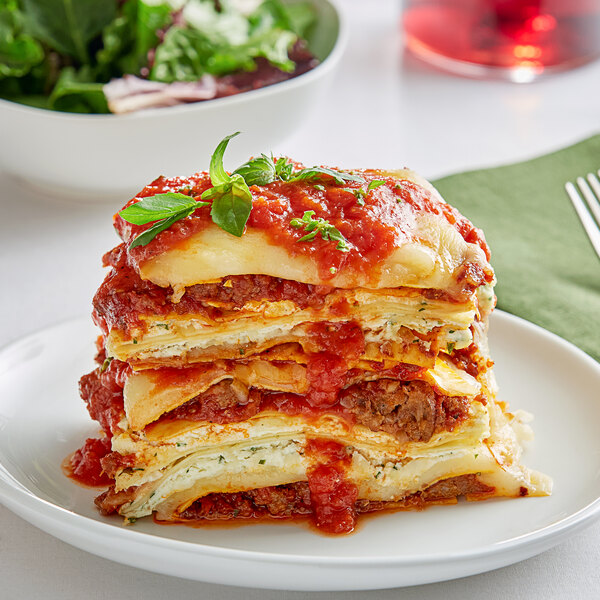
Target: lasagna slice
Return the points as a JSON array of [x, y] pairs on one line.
[[329, 359]]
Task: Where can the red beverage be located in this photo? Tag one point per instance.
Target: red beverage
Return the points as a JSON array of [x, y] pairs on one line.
[[513, 39]]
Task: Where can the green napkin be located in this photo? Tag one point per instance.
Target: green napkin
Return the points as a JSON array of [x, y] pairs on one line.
[[546, 267]]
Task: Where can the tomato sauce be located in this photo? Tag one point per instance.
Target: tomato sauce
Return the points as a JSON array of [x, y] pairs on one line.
[[327, 369], [327, 375], [345, 339], [103, 397], [84, 466], [373, 222], [333, 497]]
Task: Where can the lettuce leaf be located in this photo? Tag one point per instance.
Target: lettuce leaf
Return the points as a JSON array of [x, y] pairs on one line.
[[129, 38], [19, 52], [68, 26], [218, 43], [77, 91], [271, 14]]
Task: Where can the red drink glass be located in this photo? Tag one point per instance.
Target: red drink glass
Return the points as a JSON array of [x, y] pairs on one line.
[[518, 40]]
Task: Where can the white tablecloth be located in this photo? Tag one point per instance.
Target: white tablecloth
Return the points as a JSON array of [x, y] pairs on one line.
[[384, 109]]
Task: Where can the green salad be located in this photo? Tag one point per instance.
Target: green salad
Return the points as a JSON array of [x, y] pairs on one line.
[[100, 56]]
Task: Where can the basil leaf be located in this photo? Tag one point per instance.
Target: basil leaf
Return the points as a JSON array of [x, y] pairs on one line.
[[69, 26], [258, 171], [218, 175], [307, 218], [215, 191], [147, 236], [309, 236], [159, 206], [231, 198], [339, 177], [284, 169], [319, 225], [231, 209], [262, 170], [334, 234], [165, 209], [375, 184]]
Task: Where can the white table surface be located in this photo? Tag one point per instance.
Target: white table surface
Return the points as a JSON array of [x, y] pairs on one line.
[[384, 109]]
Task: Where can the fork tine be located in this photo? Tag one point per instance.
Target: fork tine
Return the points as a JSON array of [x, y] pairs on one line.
[[592, 200], [588, 223]]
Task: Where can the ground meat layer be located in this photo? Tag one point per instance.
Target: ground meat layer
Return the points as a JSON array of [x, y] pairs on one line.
[[293, 500], [411, 409], [123, 297], [406, 409]]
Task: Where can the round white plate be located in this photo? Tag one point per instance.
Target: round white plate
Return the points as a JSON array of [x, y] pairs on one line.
[[42, 420]]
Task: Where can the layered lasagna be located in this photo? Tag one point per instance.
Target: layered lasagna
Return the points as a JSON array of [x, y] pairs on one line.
[[329, 360]]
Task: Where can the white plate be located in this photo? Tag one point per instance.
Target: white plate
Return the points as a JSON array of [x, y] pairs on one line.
[[42, 420]]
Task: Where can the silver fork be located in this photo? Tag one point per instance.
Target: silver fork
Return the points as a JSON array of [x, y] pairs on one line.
[[589, 219]]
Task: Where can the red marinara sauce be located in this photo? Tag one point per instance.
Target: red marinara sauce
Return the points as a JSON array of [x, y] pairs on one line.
[[327, 370], [84, 466], [374, 222], [333, 497]]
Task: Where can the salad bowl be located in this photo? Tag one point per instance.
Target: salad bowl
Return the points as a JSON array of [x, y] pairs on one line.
[[108, 157]]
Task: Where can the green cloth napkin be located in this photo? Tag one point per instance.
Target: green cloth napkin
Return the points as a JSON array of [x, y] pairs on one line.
[[546, 268]]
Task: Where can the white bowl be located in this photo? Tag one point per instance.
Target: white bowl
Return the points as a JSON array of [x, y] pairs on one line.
[[114, 156]]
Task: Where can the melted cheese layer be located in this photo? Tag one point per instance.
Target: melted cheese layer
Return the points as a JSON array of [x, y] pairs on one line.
[[430, 256]]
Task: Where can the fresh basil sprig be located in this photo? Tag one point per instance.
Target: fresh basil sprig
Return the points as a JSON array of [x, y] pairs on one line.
[[319, 225], [165, 209], [263, 170], [230, 209], [231, 198], [258, 171], [317, 173]]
